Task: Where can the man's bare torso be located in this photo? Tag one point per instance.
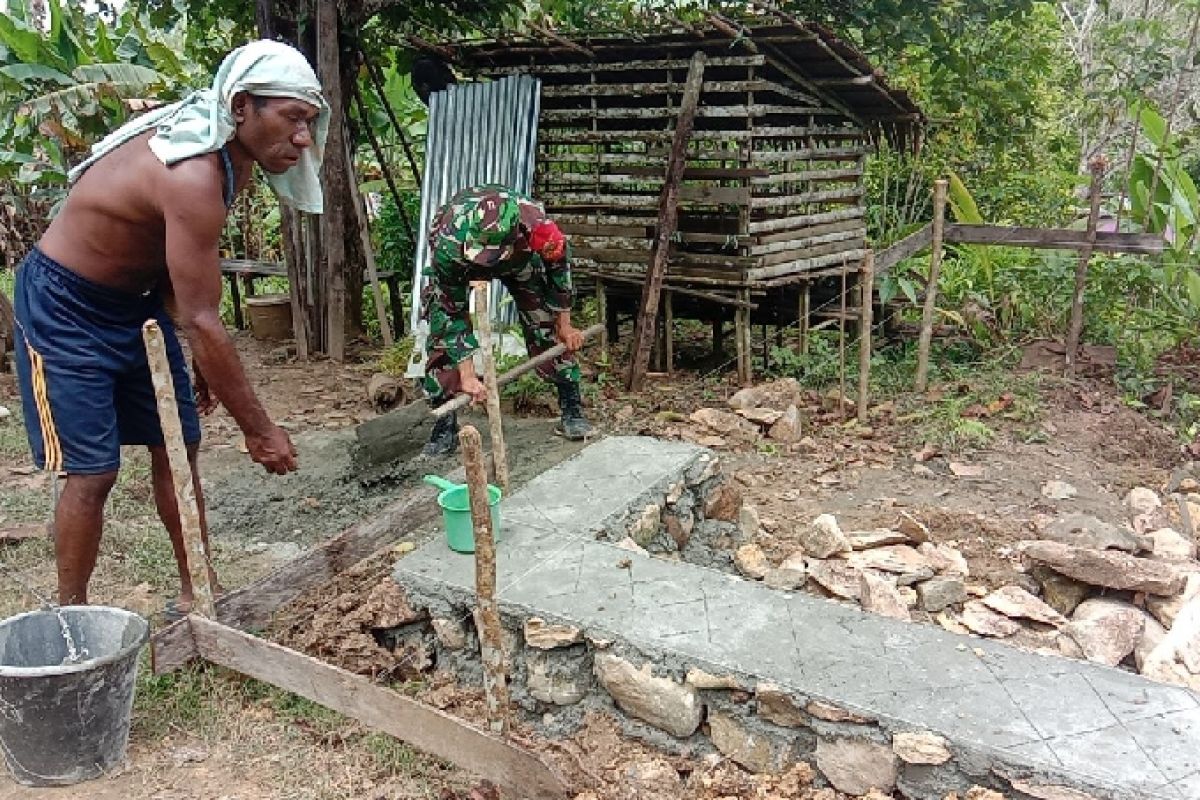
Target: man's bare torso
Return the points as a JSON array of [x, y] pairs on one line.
[[111, 228]]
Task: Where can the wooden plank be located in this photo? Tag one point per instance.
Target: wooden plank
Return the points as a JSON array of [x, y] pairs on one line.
[[850, 174], [511, 768], [551, 136], [907, 247], [710, 195], [807, 154], [252, 606], [830, 196], [650, 89], [623, 175], [856, 231], [625, 66], [708, 112], [1054, 239], [855, 223], [668, 217], [804, 220], [834, 246], [804, 264]]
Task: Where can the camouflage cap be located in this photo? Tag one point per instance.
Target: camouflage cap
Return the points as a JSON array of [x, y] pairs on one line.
[[496, 217]]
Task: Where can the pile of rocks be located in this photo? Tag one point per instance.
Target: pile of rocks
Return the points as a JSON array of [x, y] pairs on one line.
[[890, 571], [1127, 594], [1115, 595], [771, 410]]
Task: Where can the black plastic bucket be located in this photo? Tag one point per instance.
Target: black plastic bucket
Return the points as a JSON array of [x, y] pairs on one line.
[[65, 721]]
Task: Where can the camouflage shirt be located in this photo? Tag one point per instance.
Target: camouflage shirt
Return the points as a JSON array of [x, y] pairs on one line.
[[475, 236]]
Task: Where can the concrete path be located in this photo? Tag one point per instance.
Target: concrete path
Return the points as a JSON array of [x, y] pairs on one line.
[[1087, 725]]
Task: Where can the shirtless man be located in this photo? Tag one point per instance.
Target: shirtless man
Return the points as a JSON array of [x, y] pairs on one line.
[[139, 231]]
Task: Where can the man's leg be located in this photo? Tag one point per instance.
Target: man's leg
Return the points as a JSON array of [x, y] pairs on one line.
[[537, 326], [78, 521], [168, 512], [450, 337]]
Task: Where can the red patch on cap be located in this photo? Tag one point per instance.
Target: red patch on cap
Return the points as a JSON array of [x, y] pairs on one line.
[[547, 240]]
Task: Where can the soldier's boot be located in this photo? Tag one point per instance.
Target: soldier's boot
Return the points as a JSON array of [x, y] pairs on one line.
[[573, 425], [444, 439]]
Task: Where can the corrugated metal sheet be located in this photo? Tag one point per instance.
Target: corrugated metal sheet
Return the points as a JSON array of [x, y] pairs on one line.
[[477, 133]]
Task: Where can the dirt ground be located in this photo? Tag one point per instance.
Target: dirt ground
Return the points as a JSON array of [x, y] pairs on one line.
[[209, 734]]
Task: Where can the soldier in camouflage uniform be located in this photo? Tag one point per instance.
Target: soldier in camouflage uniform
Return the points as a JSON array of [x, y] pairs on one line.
[[485, 233]]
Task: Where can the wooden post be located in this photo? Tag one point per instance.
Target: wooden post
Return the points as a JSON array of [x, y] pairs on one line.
[[181, 469], [602, 316], [802, 323], [364, 229], [487, 614], [669, 330], [842, 348], [718, 335], [866, 322], [1075, 332], [935, 270], [668, 219], [335, 179], [291, 230], [484, 328], [741, 324]]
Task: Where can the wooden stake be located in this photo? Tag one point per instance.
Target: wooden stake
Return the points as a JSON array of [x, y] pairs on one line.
[[602, 316], [335, 180], [487, 614], [1075, 331], [935, 270], [669, 331], [360, 211], [495, 425], [668, 219], [181, 468], [865, 332]]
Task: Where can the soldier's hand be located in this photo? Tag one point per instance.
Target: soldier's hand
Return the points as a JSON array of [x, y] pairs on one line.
[[569, 337], [274, 450], [475, 388]]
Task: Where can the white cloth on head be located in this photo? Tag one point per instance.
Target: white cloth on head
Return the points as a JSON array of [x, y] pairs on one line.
[[203, 121]]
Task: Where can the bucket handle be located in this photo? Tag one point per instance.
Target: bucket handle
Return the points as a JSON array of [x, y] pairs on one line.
[[440, 482]]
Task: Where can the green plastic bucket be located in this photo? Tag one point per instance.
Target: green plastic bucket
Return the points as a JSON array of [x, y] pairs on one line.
[[455, 500]]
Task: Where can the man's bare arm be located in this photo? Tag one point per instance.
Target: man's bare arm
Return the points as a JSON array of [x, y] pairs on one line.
[[194, 214]]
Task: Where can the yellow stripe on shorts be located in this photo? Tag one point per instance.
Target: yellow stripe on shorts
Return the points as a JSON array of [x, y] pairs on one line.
[[41, 397]]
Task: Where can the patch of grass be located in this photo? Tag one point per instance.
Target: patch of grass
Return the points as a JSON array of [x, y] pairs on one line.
[[394, 360], [13, 443]]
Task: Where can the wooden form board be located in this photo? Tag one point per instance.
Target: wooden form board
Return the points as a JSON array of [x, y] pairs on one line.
[[252, 606], [516, 771]]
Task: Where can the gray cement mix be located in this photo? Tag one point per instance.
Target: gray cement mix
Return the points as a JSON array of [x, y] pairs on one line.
[[1007, 714]]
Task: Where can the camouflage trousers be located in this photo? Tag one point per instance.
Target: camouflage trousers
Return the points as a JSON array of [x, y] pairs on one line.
[[449, 343]]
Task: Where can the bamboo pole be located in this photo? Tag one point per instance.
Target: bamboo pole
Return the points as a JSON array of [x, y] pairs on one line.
[[940, 188], [383, 164], [181, 469], [864, 337], [364, 231], [495, 425], [487, 614], [1097, 167]]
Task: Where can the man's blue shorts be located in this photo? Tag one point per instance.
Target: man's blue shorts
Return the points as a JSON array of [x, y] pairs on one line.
[[81, 364]]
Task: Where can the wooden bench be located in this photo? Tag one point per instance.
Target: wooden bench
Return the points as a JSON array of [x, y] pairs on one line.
[[248, 271]]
